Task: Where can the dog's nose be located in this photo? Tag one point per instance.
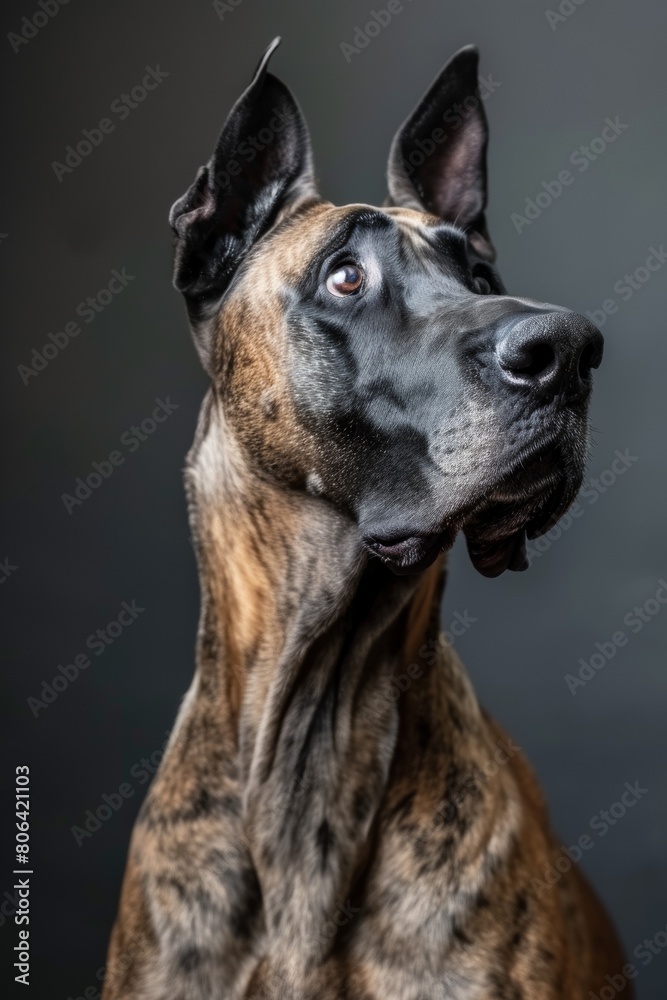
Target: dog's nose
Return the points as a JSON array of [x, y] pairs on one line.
[[550, 353]]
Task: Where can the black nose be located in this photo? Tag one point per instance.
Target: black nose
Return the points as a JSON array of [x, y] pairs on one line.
[[550, 353]]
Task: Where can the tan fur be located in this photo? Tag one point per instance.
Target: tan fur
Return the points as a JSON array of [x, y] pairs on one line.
[[379, 845]]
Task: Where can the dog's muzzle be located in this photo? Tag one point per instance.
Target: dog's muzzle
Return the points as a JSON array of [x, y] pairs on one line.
[[537, 364]]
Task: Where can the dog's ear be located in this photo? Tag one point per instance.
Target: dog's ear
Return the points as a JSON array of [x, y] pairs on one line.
[[261, 165], [437, 160]]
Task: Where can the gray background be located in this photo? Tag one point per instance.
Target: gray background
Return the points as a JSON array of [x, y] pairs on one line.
[[129, 540]]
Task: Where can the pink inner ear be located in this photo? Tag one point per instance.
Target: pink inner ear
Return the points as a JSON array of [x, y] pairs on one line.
[[196, 204], [203, 210], [454, 176]]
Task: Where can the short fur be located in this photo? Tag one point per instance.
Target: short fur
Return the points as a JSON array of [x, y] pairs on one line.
[[335, 816]]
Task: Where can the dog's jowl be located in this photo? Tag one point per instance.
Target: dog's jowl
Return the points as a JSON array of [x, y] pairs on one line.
[[334, 815]]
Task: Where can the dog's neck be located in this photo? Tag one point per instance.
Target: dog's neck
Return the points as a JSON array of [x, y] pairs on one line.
[[302, 639], [282, 574]]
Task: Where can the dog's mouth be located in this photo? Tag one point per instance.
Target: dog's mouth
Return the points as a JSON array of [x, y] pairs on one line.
[[411, 554], [524, 502]]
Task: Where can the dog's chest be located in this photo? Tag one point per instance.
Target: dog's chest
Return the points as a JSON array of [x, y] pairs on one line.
[[397, 937]]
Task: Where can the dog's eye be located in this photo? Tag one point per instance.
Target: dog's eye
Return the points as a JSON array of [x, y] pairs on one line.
[[345, 280], [481, 285]]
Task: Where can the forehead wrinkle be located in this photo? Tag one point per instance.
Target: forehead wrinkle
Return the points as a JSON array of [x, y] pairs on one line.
[[438, 251], [421, 220], [434, 232], [339, 231], [301, 243]]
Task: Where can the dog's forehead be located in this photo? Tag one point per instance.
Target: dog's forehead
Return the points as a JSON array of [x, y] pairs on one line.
[[325, 227]]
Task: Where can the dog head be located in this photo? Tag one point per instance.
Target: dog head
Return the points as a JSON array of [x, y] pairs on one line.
[[371, 355]]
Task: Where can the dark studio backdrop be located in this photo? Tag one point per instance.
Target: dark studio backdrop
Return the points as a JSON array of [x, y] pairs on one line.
[[97, 231]]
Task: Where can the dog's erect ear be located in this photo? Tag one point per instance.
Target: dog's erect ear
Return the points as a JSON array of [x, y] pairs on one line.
[[437, 160], [261, 165]]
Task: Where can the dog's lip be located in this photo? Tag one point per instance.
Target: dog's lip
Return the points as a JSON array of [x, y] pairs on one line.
[[493, 558], [408, 553], [531, 474], [496, 536]]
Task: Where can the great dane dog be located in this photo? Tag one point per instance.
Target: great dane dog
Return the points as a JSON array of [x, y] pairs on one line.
[[335, 817]]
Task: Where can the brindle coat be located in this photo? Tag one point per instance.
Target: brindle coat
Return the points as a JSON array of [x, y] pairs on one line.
[[335, 816]]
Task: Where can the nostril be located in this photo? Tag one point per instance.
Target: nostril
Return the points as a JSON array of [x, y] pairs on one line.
[[530, 359], [591, 356]]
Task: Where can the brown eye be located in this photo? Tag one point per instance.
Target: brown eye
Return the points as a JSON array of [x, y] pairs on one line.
[[345, 280]]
